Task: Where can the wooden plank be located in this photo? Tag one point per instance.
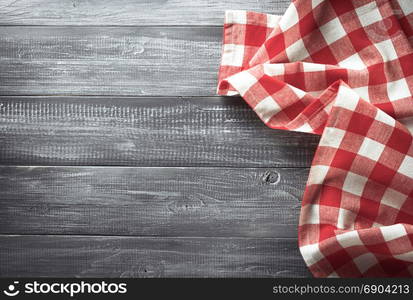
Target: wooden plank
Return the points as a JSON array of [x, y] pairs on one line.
[[92, 256], [109, 60], [151, 131], [128, 12], [220, 202]]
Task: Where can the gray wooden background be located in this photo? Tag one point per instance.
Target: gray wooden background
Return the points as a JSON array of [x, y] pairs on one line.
[[116, 157]]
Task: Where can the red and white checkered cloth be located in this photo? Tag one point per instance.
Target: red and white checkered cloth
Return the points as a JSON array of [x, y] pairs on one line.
[[344, 70]]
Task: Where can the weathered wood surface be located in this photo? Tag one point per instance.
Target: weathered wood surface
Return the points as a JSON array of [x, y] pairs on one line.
[[97, 256], [151, 201], [151, 131], [117, 159], [109, 60], [128, 12]]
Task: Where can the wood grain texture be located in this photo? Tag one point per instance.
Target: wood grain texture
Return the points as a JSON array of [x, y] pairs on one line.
[[128, 12], [125, 164], [75, 256], [109, 60], [154, 131], [203, 202]]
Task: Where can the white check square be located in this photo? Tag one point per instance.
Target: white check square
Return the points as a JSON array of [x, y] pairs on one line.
[[274, 69], [347, 98], [393, 198], [312, 67], [353, 62], [387, 50], [363, 92], [267, 108], [304, 128], [311, 254], [393, 232], [333, 31], [242, 81], [398, 89], [233, 55], [298, 92], [273, 20], [235, 17], [371, 149], [408, 256], [368, 14], [345, 219], [354, 184], [406, 6], [297, 51], [385, 118], [349, 239], [332, 137], [406, 167], [313, 214]]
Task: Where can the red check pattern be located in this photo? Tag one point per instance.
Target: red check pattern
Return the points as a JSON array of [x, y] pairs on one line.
[[342, 70]]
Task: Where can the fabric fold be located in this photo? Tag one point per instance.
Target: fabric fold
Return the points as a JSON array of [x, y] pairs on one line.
[[342, 70]]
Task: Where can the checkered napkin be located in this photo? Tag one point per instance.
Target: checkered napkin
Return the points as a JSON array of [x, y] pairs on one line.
[[344, 70]]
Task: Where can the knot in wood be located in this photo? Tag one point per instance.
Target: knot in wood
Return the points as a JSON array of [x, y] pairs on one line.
[[271, 177]]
